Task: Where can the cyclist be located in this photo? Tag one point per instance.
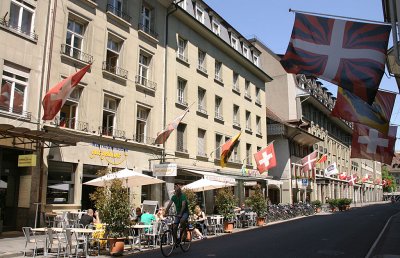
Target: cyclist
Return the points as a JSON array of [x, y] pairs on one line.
[[182, 210]]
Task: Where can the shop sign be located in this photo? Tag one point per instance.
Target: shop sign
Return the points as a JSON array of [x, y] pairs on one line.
[[223, 179], [27, 160], [113, 155], [168, 169]]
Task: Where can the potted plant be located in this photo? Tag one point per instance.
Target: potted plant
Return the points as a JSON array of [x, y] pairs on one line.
[[317, 204], [113, 203], [258, 204], [192, 199], [341, 204], [333, 204], [225, 202], [347, 203]]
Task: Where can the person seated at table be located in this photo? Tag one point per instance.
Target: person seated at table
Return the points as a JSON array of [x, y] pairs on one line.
[[147, 219], [160, 214], [200, 217], [97, 219], [136, 217], [87, 218]]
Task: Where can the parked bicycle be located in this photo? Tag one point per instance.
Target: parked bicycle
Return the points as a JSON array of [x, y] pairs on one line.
[[167, 242]]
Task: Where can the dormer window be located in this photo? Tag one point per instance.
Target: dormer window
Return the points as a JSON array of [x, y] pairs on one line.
[[216, 27], [234, 42], [199, 14], [246, 51]]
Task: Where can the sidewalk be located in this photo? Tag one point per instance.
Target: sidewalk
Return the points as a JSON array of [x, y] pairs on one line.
[[12, 243]]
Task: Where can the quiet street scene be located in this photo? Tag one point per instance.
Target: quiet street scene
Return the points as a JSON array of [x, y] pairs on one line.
[[199, 128]]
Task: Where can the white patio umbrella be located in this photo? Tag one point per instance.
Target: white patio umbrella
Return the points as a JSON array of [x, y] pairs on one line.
[[61, 187], [129, 177], [3, 184], [204, 184]]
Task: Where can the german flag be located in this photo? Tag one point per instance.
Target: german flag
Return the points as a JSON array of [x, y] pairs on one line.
[[226, 149], [322, 159]]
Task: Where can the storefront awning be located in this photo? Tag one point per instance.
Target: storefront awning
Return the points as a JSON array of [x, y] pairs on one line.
[[213, 176], [274, 182]]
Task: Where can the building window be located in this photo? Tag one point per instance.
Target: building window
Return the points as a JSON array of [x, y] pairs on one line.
[[13, 90], [218, 108], [249, 155], [110, 106], [182, 49], [142, 115], [256, 60], [201, 143], [201, 100], [258, 96], [181, 138], [248, 120], [74, 41], [60, 183], [182, 4], [247, 92], [22, 16], [147, 20], [235, 157], [69, 111], [218, 144], [143, 77], [218, 71], [199, 14], [258, 125], [202, 61], [246, 51], [236, 82], [182, 91], [236, 115], [234, 42], [216, 27], [114, 45]]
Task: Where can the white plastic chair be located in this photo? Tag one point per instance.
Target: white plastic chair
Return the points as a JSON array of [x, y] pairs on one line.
[[153, 234], [31, 238]]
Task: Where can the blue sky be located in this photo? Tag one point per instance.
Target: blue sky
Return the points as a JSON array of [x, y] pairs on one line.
[[272, 23]]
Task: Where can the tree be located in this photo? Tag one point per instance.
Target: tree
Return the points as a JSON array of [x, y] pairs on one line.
[[391, 185]]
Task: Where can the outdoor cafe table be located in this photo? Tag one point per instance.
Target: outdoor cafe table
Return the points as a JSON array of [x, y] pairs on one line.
[[140, 227], [86, 231]]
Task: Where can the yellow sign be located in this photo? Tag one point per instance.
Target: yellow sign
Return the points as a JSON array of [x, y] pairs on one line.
[[27, 160], [112, 157]]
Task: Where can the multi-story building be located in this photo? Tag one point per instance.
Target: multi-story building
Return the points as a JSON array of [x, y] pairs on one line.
[[299, 122], [394, 170], [151, 60]]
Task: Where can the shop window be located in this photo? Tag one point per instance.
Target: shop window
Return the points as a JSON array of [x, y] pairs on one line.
[[60, 183]]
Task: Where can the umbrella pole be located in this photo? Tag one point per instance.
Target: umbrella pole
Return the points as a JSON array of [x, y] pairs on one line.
[[204, 201]]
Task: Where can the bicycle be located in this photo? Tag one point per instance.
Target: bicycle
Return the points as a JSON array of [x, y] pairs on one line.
[[167, 243]]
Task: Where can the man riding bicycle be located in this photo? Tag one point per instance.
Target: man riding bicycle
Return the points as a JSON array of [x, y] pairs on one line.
[[182, 210]]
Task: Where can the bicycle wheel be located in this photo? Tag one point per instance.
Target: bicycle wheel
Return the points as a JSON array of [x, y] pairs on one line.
[[167, 244], [186, 240]]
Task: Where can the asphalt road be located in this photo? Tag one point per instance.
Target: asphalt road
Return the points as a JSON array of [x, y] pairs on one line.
[[341, 234]]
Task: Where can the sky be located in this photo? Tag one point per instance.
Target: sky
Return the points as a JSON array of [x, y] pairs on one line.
[[271, 22]]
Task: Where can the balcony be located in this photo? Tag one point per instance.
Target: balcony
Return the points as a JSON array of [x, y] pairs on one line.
[[236, 124], [143, 139], [218, 78], [143, 82], [276, 129], [76, 54], [31, 35], [218, 116], [115, 70], [182, 102], [236, 89], [201, 69], [15, 112], [72, 123], [247, 96], [110, 131], [182, 57], [148, 30], [119, 13]]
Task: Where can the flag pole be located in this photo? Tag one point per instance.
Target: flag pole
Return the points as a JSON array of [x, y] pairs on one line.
[[338, 16]]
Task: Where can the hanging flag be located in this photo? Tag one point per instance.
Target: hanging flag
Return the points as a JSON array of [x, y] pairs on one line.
[[331, 170], [351, 108], [56, 96], [164, 134], [323, 158], [365, 178], [309, 161], [368, 143], [226, 149], [352, 179], [265, 158], [343, 176], [347, 53]]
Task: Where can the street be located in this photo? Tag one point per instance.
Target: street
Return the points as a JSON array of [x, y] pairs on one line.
[[341, 234]]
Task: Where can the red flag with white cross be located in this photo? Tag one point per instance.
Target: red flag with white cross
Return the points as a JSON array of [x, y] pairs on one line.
[[56, 96], [309, 161], [265, 158], [368, 143]]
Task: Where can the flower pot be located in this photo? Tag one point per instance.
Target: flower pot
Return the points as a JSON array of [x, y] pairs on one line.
[[260, 221], [317, 210], [116, 246], [228, 226]]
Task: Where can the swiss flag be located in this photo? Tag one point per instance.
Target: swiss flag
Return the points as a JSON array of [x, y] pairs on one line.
[[309, 161], [352, 179], [368, 143], [342, 176], [56, 96], [265, 158]]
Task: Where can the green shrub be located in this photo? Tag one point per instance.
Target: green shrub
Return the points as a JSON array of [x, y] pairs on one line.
[[225, 201], [257, 202], [317, 203]]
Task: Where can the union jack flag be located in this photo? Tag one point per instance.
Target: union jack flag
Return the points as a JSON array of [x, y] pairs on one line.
[[347, 53]]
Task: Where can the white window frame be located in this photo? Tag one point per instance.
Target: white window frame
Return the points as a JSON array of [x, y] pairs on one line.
[[23, 7], [144, 67], [236, 115], [142, 115], [234, 42], [182, 49], [13, 80], [258, 124], [218, 70], [181, 91], [112, 110], [246, 51], [236, 81], [202, 62], [256, 60], [201, 100], [201, 142], [112, 38], [258, 97], [216, 27], [218, 107], [199, 12], [75, 35], [146, 19], [248, 120]]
